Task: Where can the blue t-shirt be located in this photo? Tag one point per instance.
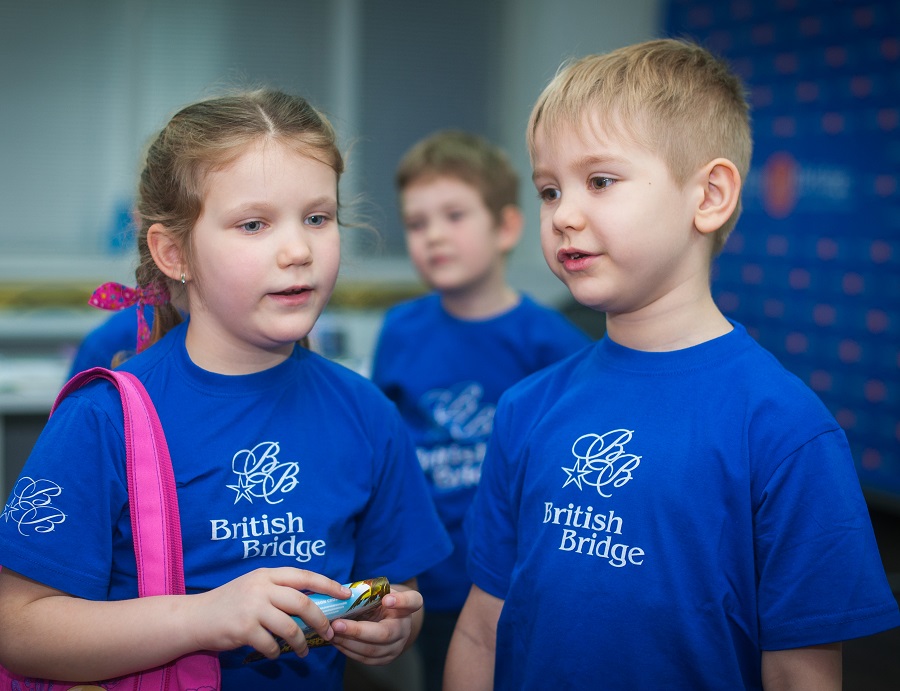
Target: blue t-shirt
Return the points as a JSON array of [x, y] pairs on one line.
[[306, 464], [657, 519], [446, 376]]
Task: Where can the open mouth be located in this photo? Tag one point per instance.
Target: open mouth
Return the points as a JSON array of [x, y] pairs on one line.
[[292, 291], [564, 255]]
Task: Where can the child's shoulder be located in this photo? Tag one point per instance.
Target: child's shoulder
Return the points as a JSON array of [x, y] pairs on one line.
[[547, 383], [413, 313], [429, 306], [775, 388], [545, 330], [421, 304], [534, 311]]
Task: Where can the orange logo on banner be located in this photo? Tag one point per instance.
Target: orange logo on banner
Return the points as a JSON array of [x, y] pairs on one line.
[[780, 185]]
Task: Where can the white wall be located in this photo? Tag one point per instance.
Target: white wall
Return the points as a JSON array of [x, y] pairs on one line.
[[83, 85]]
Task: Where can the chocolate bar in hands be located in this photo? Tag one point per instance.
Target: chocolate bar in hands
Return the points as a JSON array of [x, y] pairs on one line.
[[363, 603]]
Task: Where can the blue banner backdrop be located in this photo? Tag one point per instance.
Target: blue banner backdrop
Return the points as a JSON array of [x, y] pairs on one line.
[[812, 267]]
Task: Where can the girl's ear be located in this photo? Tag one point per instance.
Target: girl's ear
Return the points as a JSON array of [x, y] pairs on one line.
[[721, 184], [165, 251], [509, 231]]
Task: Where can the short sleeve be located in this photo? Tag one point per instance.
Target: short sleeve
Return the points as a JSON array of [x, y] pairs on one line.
[[820, 576], [65, 512]]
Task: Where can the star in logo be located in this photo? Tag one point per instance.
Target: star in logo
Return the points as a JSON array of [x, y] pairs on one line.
[[576, 473], [243, 489]]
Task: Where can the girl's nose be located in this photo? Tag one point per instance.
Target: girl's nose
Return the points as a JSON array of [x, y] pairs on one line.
[[294, 249]]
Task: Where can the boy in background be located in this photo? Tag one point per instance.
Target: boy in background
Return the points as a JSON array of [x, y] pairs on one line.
[[445, 358], [670, 508]]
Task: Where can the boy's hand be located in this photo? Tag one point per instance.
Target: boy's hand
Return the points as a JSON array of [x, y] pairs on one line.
[[380, 640], [254, 608]]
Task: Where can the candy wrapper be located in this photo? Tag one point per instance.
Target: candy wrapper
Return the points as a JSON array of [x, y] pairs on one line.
[[363, 603]]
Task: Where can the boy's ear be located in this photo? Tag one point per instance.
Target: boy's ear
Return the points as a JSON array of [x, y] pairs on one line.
[[721, 184], [165, 251], [510, 229]]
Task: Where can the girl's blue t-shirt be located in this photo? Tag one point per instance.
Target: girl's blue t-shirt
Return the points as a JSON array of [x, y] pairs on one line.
[[656, 520], [306, 464]]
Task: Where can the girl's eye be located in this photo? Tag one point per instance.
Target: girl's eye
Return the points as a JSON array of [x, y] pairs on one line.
[[455, 216], [599, 182], [252, 226], [317, 220], [550, 194]]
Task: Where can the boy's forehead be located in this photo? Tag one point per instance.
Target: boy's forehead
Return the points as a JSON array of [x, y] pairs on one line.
[[430, 177], [438, 178], [589, 143], [440, 189], [590, 131]]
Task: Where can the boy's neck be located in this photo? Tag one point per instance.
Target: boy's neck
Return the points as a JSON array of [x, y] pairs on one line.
[[669, 329], [487, 302]]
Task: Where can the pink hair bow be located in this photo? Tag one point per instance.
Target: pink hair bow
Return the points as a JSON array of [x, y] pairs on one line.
[[115, 296]]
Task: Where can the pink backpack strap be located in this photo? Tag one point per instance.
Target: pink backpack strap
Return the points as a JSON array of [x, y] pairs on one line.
[[152, 498], [155, 522]]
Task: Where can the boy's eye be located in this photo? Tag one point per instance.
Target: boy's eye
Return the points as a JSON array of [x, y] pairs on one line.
[[252, 226], [455, 216], [550, 194], [316, 220], [413, 225], [599, 182]]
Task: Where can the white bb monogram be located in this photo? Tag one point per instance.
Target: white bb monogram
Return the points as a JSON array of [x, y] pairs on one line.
[[601, 461], [262, 475]]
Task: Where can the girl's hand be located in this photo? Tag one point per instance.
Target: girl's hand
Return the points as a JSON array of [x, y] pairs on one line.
[[254, 608], [379, 641]]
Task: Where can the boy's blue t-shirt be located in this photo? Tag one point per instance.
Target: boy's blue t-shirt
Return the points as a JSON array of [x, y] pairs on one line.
[[446, 375], [306, 464], [657, 519]]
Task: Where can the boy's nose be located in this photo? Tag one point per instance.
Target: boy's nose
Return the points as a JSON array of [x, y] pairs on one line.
[[434, 231], [568, 215]]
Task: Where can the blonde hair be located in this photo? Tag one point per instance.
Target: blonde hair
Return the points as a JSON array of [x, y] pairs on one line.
[[204, 137], [467, 157], [670, 96]]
